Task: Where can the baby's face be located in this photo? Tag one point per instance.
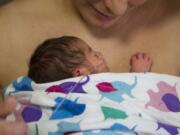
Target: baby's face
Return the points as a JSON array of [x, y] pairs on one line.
[[96, 60]]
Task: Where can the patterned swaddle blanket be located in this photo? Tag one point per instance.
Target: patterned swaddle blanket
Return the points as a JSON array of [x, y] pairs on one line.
[[99, 104]]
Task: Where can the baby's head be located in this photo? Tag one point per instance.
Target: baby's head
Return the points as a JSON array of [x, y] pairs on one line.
[[64, 57]]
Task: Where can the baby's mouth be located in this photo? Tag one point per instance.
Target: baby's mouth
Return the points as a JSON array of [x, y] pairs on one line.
[[96, 67], [100, 63]]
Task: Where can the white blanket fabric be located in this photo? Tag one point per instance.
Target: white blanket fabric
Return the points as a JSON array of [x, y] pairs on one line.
[[99, 104]]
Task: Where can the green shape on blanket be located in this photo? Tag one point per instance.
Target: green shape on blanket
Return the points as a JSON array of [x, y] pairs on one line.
[[37, 130], [113, 113]]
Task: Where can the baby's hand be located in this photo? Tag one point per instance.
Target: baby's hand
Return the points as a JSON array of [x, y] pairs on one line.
[[140, 62]]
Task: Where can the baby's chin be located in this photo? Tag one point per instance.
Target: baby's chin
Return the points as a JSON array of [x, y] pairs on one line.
[[105, 69]]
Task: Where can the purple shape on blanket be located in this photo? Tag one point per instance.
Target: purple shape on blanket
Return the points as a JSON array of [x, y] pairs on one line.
[[170, 129], [31, 113], [23, 85], [67, 87], [172, 102]]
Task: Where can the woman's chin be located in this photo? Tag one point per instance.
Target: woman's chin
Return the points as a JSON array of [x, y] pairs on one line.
[[102, 24]]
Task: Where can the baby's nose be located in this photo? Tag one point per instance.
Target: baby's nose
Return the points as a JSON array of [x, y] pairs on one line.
[[99, 55]]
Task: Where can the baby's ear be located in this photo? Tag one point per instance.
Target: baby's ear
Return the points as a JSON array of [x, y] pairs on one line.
[[80, 71], [76, 72]]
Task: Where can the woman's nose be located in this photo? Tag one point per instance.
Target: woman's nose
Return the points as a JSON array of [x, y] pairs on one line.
[[116, 7], [136, 2]]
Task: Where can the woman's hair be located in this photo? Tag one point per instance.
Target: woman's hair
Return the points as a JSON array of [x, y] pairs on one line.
[[55, 59]]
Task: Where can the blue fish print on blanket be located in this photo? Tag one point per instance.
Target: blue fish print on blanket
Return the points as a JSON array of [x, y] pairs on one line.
[[68, 109], [65, 127], [123, 128], [116, 89], [23, 84], [66, 87], [101, 132]]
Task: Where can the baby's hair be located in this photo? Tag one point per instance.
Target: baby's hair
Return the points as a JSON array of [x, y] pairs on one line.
[[55, 59]]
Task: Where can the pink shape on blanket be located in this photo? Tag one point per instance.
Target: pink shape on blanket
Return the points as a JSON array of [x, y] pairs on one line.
[[156, 97]]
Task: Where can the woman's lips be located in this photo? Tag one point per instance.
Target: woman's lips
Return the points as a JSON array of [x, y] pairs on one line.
[[101, 16]]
